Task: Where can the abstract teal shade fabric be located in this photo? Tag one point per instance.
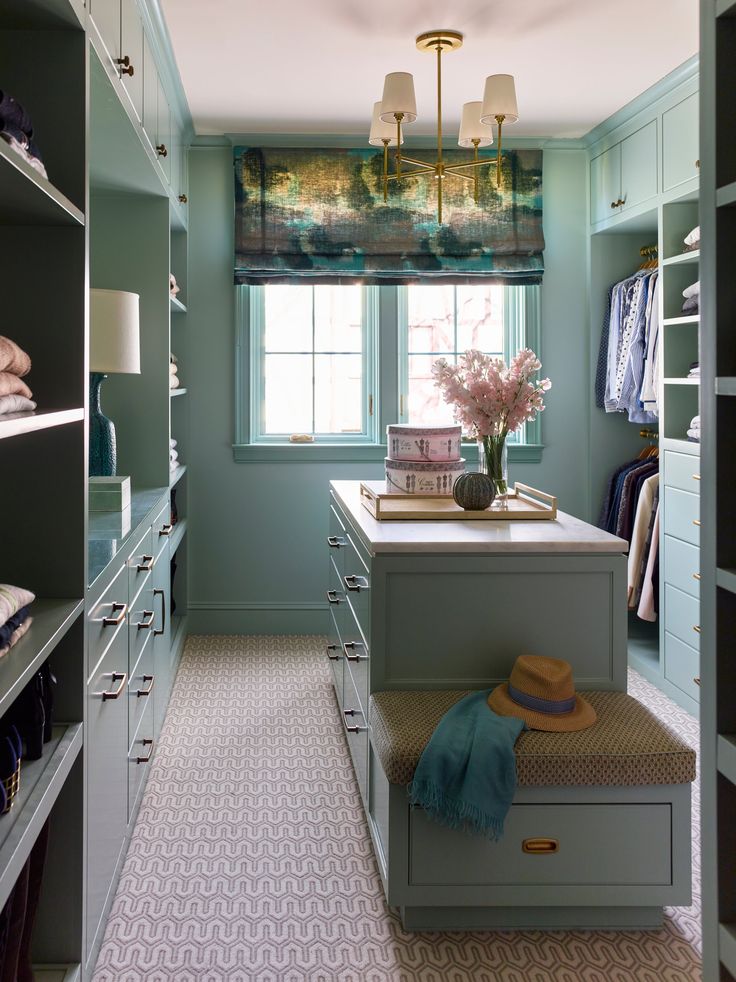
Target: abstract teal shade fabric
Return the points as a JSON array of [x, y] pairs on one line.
[[318, 215]]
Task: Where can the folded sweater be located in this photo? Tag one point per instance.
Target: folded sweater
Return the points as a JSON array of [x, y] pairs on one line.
[[12, 598], [17, 635], [11, 385], [15, 404], [12, 358]]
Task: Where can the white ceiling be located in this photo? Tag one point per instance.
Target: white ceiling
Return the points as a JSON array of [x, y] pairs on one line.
[[317, 66]]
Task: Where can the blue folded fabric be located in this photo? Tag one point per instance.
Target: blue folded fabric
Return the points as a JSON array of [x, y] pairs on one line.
[[13, 113], [466, 777], [12, 623]]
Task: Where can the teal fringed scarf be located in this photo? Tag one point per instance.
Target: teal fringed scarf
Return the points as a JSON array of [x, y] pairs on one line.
[[466, 776]]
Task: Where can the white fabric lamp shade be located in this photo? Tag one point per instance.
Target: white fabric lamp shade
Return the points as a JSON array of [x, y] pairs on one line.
[[398, 97], [499, 99], [114, 332], [381, 131], [471, 127]]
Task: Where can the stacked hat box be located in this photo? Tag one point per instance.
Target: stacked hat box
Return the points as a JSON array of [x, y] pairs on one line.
[[423, 459]]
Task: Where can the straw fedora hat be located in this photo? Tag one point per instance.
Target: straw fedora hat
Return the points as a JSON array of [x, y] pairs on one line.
[[541, 691]]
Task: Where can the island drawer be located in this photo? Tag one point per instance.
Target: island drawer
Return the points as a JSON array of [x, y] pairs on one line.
[[357, 586], [337, 540], [356, 733], [336, 656]]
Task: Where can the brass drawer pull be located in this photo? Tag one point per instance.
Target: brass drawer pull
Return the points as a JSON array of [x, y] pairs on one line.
[[540, 847], [352, 645], [696, 477], [115, 621], [149, 690], [696, 680], [183, 198], [355, 583], [147, 622], [696, 521], [332, 597], [162, 594], [125, 66], [332, 647], [165, 529], [161, 150], [696, 576], [145, 565], [352, 729], [116, 693], [335, 542], [144, 760], [696, 628]]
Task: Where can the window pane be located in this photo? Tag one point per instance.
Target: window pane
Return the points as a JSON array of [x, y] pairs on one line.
[[287, 401], [338, 393], [425, 404], [480, 318], [288, 325], [338, 318], [431, 317]]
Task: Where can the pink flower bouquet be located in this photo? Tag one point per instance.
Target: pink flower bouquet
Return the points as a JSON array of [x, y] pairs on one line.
[[492, 400]]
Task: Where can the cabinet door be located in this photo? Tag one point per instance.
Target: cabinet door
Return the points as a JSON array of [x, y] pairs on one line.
[[150, 94], [605, 184], [106, 16], [639, 166], [107, 775], [163, 147], [680, 142], [175, 159], [131, 46], [161, 637]]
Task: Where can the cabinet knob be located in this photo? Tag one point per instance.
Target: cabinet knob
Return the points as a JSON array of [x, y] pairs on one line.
[[125, 66], [696, 477], [161, 150], [696, 628], [183, 198], [617, 204], [696, 680], [696, 522], [697, 164], [696, 576]]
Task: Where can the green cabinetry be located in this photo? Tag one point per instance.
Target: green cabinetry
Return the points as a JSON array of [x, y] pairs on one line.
[[680, 154], [624, 175]]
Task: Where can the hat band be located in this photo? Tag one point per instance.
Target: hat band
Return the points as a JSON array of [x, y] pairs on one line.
[[552, 706]]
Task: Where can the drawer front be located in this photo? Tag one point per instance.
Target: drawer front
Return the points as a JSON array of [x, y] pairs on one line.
[[682, 666], [111, 607], [141, 621], [682, 471], [140, 563], [107, 780], [357, 657], [682, 565], [356, 732], [336, 595], [337, 540], [161, 529], [682, 616], [141, 687], [336, 657], [139, 756], [357, 586], [682, 515], [596, 845]]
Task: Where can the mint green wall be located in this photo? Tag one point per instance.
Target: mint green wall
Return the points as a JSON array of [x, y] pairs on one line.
[[257, 556]]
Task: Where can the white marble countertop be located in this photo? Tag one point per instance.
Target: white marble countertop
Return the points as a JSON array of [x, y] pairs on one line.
[[566, 534]]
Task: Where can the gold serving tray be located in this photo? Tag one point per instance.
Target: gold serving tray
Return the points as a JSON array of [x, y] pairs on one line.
[[524, 504]]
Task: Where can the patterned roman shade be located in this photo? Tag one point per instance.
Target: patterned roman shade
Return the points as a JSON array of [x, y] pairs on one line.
[[319, 216]]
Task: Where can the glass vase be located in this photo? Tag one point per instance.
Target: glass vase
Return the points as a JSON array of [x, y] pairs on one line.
[[493, 461]]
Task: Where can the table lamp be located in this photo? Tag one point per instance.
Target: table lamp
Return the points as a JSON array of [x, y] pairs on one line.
[[114, 347]]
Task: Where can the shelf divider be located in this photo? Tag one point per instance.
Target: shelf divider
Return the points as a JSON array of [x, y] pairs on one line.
[[683, 259], [180, 530], [14, 424], [177, 475], [28, 198], [726, 196]]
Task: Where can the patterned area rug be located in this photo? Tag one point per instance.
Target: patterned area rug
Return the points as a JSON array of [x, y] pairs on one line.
[[251, 860]]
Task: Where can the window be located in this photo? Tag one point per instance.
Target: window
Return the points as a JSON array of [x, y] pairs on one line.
[[337, 363]]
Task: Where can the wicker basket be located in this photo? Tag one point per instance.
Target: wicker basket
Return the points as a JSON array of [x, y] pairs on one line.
[[11, 785]]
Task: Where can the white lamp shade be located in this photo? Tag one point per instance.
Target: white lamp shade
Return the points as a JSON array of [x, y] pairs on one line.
[[114, 332], [499, 99], [381, 131], [398, 97], [471, 127]]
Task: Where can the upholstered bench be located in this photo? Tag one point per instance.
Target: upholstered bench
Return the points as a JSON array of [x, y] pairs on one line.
[[598, 835]]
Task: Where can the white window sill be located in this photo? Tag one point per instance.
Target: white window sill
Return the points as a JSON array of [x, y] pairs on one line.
[[355, 453]]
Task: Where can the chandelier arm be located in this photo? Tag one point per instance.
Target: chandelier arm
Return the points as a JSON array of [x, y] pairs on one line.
[[480, 162], [406, 174], [418, 163], [463, 177]]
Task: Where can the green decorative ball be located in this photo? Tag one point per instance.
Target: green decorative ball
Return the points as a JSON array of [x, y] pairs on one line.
[[473, 491]]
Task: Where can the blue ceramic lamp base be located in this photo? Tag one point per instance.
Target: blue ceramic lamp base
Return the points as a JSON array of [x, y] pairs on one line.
[[102, 448]]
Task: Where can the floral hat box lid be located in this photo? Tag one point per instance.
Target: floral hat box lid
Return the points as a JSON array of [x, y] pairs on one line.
[[423, 443]]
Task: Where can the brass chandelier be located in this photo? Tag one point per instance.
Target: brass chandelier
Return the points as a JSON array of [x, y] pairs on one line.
[[398, 107]]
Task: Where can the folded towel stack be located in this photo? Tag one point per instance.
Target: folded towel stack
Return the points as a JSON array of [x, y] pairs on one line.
[[173, 287], [692, 240], [173, 456], [15, 617], [694, 370], [692, 298], [693, 433], [16, 129], [173, 373], [15, 396]]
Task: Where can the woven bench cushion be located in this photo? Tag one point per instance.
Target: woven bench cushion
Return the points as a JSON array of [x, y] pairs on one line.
[[627, 746]]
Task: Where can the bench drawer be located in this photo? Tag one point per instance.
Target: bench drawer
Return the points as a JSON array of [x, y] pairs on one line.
[[682, 565], [682, 515], [682, 666], [682, 616], [336, 657], [597, 844], [682, 471], [356, 732]]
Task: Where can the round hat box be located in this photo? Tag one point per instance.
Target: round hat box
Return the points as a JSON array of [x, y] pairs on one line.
[[423, 443], [414, 477]]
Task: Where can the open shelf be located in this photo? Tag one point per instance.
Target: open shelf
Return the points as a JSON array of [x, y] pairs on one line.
[[726, 196], [725, 8], [57, 973], [40, 784], [180, 530], [726, 386], [727, 946], [13, 424], [681, 445], [726, 578], [177, 475], [177, 307], [726, 754], [177, 392], [684, 258], [22, 15], [178, 629], [681, 381], [51, 621], [28, 198], [692, 319]]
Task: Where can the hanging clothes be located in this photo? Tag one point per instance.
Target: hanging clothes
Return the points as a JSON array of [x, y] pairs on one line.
[[627, 371]]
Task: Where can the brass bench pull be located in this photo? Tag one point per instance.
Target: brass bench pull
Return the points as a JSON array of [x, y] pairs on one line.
[[540, 847]]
